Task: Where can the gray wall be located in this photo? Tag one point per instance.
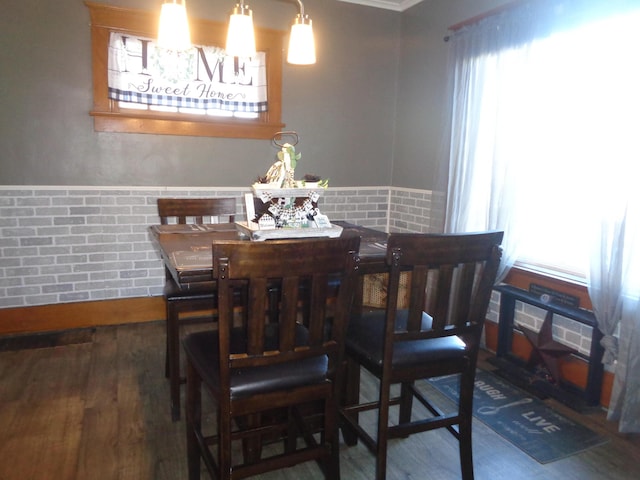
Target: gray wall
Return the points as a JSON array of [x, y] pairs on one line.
[[371, 112], [423, 109], [342, 107]]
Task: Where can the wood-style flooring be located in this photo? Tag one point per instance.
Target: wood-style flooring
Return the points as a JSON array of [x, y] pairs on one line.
[[99, 410]]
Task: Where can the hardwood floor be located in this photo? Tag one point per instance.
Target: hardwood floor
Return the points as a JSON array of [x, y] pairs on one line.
[[99, 409]]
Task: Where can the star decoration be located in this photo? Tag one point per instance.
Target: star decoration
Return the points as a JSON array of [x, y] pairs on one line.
[[546, 350]]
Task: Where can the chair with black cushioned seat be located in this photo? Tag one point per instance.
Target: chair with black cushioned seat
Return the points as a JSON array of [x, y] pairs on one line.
[[272, 379], [181, 302], [450, 283]]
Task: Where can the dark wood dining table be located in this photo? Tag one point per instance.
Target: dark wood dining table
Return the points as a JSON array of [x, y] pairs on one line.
[[186, 249]]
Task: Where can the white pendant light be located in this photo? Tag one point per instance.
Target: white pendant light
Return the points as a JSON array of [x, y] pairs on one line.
[[173, 29], [241, 40], [302, 47], [173, 32]]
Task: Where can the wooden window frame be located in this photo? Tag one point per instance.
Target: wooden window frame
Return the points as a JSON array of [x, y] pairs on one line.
[[107, 115]]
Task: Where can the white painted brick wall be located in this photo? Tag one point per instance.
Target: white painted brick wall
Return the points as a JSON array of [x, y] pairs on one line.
[[365, 206], [418, 211], [71, 244]]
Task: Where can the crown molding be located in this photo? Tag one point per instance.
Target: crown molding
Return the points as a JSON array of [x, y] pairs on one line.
[[396, 5]]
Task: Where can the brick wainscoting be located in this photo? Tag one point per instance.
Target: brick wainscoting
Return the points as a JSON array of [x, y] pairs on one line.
[[81, 244]]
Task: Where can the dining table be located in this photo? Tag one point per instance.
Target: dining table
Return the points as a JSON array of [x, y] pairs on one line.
[[186, 249]]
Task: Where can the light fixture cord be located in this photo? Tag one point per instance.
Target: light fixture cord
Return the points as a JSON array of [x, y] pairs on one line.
[[301, 5]]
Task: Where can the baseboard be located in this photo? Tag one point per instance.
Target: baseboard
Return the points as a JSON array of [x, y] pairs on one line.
[[64, 316]]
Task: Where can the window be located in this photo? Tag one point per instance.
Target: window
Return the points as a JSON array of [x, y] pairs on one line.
[[545, 147], [120, 114], [546, 131]]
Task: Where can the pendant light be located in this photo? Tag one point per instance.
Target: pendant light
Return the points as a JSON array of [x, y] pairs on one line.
[[302, 47], [241, 40], [173, 29], [173, 32]]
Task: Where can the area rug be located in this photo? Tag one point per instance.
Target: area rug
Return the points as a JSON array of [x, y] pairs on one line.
[[525, 421]]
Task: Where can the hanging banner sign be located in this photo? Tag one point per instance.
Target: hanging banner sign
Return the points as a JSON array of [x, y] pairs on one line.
[[202, 77]]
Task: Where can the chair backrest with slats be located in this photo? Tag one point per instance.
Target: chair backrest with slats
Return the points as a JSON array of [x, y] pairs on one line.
[[452, 276], [196, 210], [307, 270]]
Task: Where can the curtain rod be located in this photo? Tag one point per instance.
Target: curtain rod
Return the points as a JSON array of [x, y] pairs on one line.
[[477, 18]]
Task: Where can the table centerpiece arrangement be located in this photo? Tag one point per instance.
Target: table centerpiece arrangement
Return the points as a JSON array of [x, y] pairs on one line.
[[282, 207]]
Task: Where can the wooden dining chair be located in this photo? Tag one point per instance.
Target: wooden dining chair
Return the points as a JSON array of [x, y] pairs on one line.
[[182, 305], [451, 279], [273, 381]]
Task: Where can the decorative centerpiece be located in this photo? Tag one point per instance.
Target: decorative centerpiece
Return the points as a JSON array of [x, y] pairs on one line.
[[282, 173], [284, 206]]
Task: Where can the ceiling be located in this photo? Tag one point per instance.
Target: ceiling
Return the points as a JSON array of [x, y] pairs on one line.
[[397, 5]]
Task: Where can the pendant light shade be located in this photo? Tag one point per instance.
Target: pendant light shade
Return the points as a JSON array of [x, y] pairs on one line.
[[302, 47], [241, 40], [173, 30]]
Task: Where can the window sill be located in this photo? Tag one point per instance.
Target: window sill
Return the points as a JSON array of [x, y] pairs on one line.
[[122, 123], [522, 277]]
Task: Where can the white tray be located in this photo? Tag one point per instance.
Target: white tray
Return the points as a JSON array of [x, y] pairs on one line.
[[254, 233], [258, 191]]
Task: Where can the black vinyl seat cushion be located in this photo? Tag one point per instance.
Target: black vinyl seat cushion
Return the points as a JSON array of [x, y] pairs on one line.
[[365, 340], [202, 349]]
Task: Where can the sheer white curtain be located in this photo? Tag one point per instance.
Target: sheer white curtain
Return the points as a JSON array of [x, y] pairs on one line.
[[544, 145], [492, 79], [614, 288]]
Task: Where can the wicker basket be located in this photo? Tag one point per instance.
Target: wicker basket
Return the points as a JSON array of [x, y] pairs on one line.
[[374, 292]]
